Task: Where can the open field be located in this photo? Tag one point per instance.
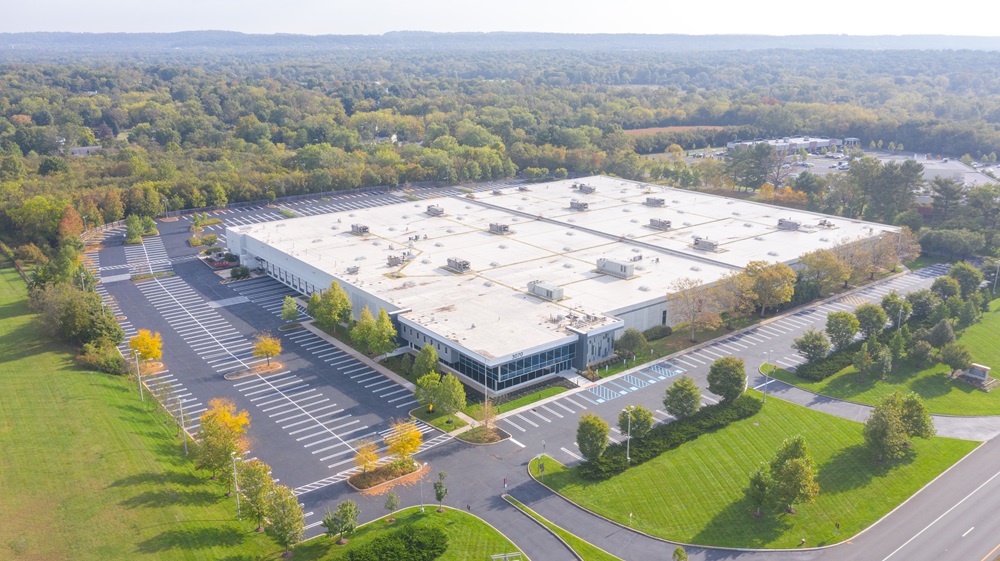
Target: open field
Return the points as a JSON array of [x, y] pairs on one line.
[[89, 472], [469, 537], [941, 394], [693, 494]]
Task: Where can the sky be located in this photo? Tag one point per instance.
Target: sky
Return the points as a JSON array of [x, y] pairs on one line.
[[350, 17]]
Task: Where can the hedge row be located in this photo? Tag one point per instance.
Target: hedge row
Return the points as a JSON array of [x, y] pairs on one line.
[[668, 436], [830, 365], [409, 543], [657, 332]]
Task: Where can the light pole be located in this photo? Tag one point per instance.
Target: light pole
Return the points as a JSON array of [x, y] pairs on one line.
[[422, 490], [766, 379], [236, 486], [180, 402], [899, 320], [628, 437], [995, 275], [138, 375]]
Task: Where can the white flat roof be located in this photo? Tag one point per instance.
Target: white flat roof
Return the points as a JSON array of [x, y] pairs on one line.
[[488, 309]]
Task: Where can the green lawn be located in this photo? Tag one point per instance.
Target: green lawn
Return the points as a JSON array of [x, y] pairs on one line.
[[469, 538], [89, 473], [692, 494], [475, 410], [582, 548], [941, 394], [925, 261], [438, 420]]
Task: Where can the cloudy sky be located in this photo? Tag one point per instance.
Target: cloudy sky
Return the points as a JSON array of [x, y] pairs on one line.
[[316, 17]]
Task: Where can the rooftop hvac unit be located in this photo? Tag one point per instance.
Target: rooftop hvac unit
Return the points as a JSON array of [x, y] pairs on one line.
[[614, 267], [826, 223], [577, 205], [497, 192], [522, 188], [435, 210], [706, 244], [394, 260], [458, 265], [655, 201], [788, 224], [497, 228], [587, 189], [353, 270], [545, 290], [660, 224], [359, 229]]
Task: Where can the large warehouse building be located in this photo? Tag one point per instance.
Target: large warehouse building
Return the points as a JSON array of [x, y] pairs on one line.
[[528, 282]]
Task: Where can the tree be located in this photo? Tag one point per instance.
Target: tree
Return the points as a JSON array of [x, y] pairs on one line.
[[733, 295], [392, 504], [917, 421], [897, 308], [289, 309], [364, 331], [957, 356], [266, 346], [897, 344], [825, 268], [221, 434], [440, 490], [632, 342], [941, 334], [425, 362], [314, 304], [635, 421], [773, 283], [945, 288], [592, 436], [923, 303], [256, 486], [727, 378], [968, 278], [285, 519], [334, 307], [365, 455], [679, 554], [148, 344], [404, 440], [692, 305], [427, 390], [383, 337], [871, 319], [450, 395], [895, 418], [683, 398], [795, 482], [947, 193], [863, 361], [841, 327], [813, 345], [758, 489], [920, 351], [343, 521]]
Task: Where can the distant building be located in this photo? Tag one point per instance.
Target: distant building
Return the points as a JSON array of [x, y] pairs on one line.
[[85, 150], [792, 144]]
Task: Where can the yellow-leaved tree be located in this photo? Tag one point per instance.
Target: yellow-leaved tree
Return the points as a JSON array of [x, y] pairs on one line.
[[366, 455], [222, 438], [266, 346], [404, 440], [148, 344]]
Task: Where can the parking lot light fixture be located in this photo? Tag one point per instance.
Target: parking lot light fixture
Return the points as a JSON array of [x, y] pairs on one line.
[[138, 375], [236, 486], [422, 489], [628, 437]]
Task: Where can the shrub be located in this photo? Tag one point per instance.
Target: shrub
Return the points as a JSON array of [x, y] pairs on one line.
[[409, 543], [658, 332], [668, 436], [833, 363], [103, 357], [240, 272]]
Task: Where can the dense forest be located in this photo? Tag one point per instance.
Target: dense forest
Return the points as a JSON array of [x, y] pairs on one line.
[[208, 126]]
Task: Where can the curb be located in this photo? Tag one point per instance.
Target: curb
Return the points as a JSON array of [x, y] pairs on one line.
[[507, 497], [358, 356]]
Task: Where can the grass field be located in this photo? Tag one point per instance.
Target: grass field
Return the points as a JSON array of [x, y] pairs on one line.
[[438, 420], [941, 394], [469, 538], [582, 548], [693, 494], [925, 261], [87, 472]]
